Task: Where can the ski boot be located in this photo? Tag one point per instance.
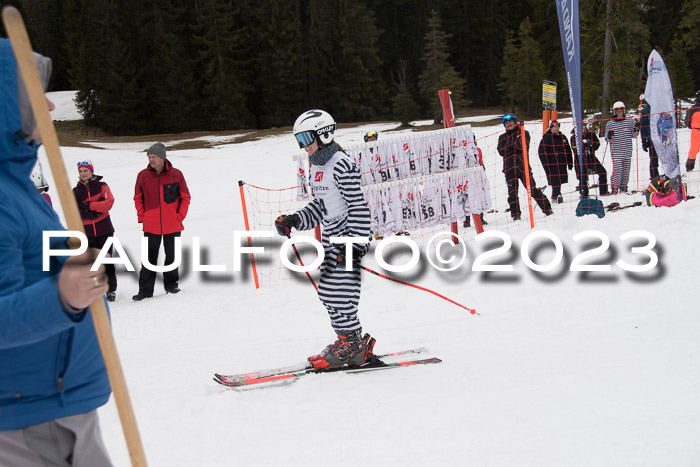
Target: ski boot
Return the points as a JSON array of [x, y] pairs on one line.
[[351, 349]]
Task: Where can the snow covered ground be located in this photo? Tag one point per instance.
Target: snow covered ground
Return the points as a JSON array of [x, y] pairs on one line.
[[559, 369]]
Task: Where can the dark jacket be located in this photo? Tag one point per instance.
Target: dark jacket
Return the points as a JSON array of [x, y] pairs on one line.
[[510, 147], [162, 200], [96, 217], [644, 126], [555, 155], [50, 361], [591, 143]]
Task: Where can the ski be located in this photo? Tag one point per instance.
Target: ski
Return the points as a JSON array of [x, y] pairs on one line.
[[612, 207], [303, 366], [287, 378]]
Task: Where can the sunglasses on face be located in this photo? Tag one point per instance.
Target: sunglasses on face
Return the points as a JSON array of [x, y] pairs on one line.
[[305, 138]]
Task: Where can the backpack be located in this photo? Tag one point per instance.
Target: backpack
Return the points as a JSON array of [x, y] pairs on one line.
[[590, 206], [660, 193]]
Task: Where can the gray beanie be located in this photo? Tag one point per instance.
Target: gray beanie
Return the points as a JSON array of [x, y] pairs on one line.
[[157, 149]]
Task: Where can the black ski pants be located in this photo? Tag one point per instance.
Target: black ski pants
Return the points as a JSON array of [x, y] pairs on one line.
[[147, 278]]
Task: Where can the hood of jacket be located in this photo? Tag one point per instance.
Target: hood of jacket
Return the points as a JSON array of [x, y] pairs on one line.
[[17, 156]]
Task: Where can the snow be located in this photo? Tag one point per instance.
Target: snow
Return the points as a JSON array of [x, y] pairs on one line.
[[559, 368]]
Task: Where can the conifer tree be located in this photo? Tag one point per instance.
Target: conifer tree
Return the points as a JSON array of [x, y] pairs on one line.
[[404, 106], [221, 68], [437, 72], [523, 70]]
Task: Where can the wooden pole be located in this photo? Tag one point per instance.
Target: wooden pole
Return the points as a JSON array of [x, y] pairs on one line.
[[17, 34]]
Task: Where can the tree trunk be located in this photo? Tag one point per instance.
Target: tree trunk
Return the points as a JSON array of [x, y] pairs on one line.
[[607, 61]]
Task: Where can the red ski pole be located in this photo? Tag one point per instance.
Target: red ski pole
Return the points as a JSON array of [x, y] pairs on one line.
[[393, 279]]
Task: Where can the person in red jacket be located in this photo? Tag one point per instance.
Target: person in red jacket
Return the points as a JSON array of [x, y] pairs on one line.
[[94, 200], [162, 199]]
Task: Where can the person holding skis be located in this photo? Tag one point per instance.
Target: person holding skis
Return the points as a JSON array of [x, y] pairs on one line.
[[647, 144], [510, 147], [555, 155], [692, 121], [94, 200], [620, 131], [162, 200], [591, 143], [340, 207], [52, 374]]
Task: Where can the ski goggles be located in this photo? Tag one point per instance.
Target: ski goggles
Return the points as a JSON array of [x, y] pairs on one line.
[[371, 134], [554, 123], [508, 118], [305, 138], [84, 164]]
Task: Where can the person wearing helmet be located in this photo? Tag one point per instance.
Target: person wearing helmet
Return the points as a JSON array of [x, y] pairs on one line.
[[94, 200], [555, 155], [339, 206], [42, 185], [370, 136], [510, 147], [620, 131], [692, 121]]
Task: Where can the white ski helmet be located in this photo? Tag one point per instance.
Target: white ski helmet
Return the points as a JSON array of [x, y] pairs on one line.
[[314, 125], [39, 180], [618, 105]]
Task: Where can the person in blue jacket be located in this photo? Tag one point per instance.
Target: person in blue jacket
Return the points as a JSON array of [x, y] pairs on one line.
[[52, 375]]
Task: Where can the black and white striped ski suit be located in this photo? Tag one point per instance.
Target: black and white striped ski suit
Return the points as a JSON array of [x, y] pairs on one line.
[[621, 150], [339, 205]]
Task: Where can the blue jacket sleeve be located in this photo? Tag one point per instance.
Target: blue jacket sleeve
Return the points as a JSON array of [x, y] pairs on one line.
[[28, 313]]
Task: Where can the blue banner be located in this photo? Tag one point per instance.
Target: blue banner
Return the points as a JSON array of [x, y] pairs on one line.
[[568, 13]]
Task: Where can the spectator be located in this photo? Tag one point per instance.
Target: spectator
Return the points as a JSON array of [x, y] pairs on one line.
[[52, 375], [692, 121], [620, 131], [162, 199], [591, 143], [555, 155], [94, 200], [371, 136], [510, 148], [647, 143], [42, 185]]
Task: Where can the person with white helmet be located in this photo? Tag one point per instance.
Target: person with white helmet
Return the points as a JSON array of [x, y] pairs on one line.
[[620, 131], [42, 185], [340, 207]]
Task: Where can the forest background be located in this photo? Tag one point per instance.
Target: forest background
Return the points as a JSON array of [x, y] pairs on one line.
[[139, 66]]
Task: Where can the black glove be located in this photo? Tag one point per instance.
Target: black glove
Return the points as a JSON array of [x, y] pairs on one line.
[[610, 134], [84, 206], [284, 224], [339, 256], [636, 126], [689, 165]]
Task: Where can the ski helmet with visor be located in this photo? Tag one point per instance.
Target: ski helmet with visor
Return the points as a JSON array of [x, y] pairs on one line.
[[314, 125]]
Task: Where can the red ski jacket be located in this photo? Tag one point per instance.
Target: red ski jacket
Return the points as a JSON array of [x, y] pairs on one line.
[[161, 199], [100, 200]]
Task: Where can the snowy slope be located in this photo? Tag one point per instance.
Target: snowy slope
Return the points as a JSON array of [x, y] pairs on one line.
[[559, 369]]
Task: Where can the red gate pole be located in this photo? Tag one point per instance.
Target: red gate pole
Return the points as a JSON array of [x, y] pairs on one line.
[[247, 227]]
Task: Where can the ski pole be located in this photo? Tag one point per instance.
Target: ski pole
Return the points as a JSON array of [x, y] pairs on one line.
[[17, 33], [296, 252], [393, 279]]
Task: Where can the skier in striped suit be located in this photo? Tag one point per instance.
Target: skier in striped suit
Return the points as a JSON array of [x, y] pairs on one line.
[[340, 207], [620, 131]]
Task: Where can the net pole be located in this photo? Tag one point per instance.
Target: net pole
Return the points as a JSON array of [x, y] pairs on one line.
[[247, 228]]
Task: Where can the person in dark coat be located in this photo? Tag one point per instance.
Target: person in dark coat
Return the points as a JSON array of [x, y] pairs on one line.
[[94, 200], [555, 155], [510, 147], [647, 144], [591, 143]]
